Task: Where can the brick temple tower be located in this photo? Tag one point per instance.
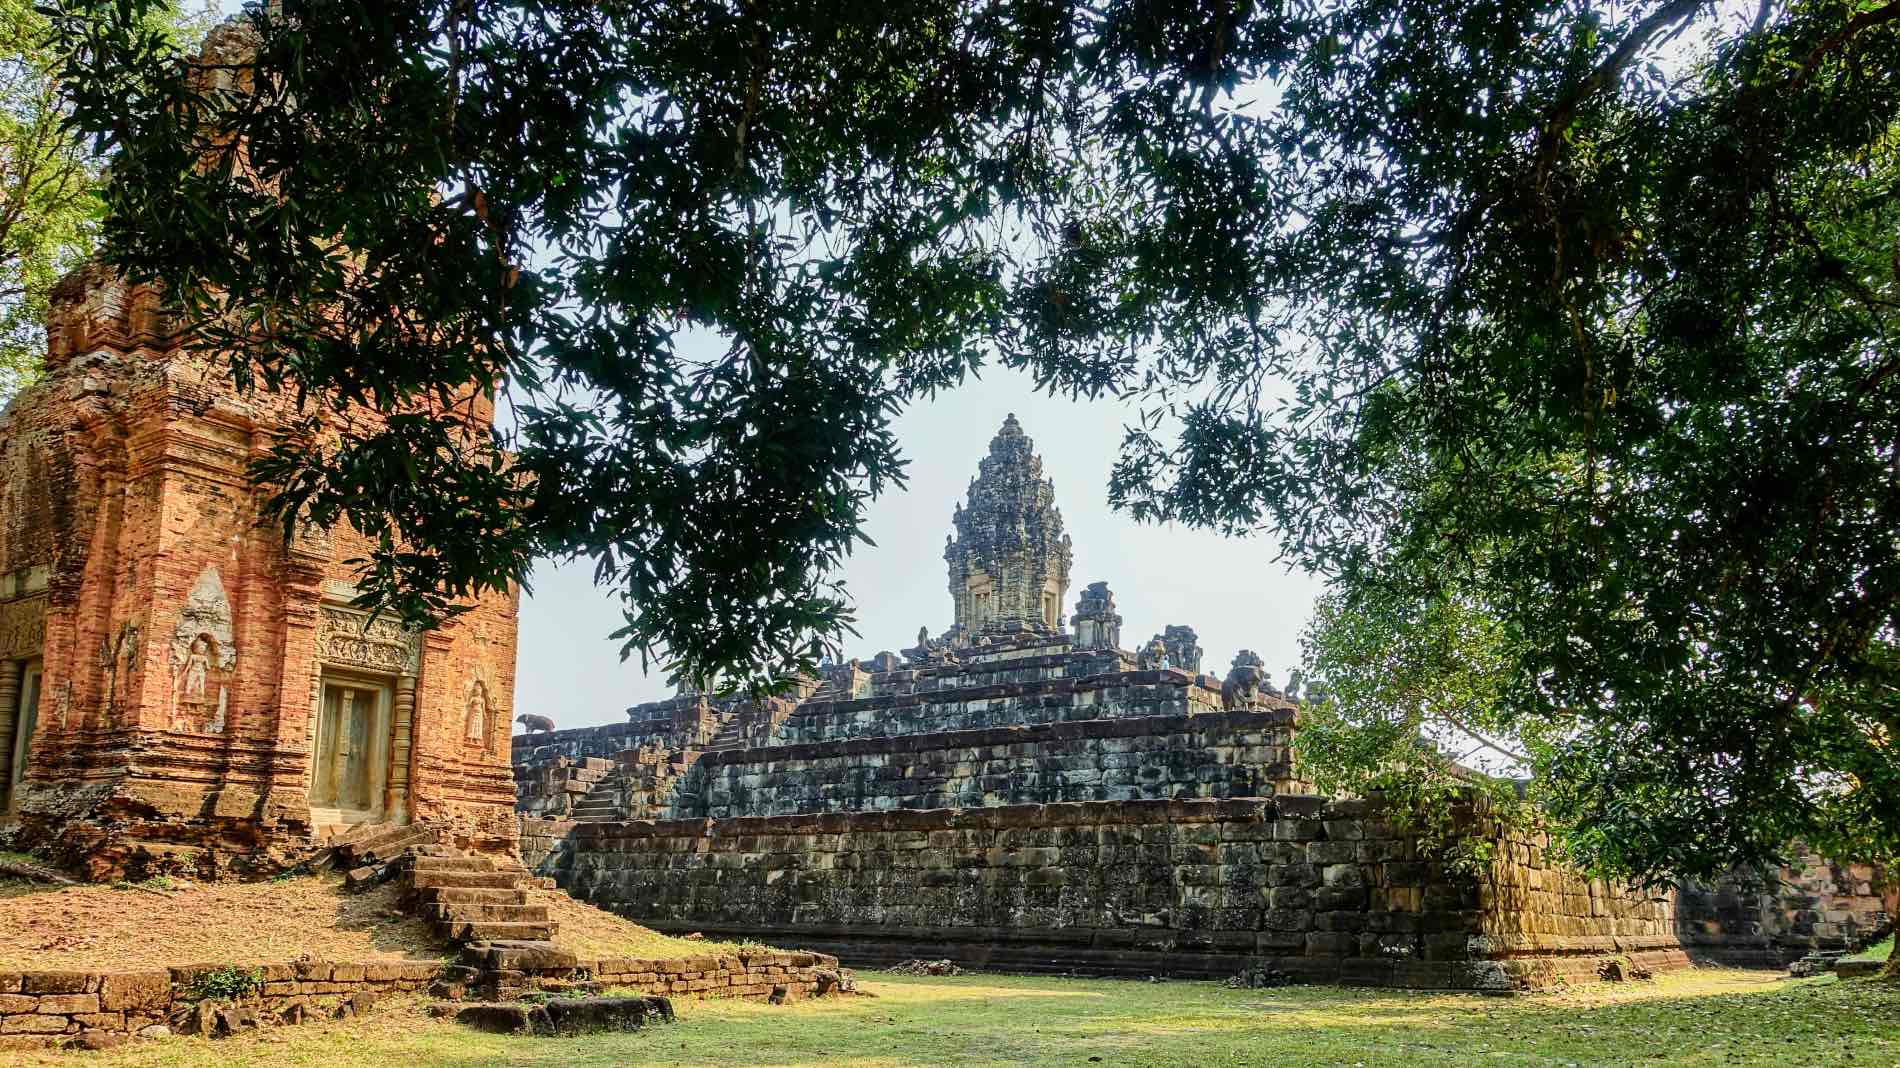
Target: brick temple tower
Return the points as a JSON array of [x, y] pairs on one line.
[[1009, 559], [179, 688]]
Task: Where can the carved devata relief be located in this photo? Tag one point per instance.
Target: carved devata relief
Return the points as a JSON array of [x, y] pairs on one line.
[[478, 727], [203, 655], [348, 638]]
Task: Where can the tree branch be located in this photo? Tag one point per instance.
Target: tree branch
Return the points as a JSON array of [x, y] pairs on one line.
[[1839, 37], [1561, 116]]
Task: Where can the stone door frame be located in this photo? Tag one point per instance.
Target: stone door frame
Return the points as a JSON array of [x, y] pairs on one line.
[[354, 647]]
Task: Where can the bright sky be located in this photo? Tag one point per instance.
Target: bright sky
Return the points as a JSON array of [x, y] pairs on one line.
[[1229, 590]]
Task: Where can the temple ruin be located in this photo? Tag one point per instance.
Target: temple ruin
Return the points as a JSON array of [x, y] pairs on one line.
[[180, 688], [1021, 791]]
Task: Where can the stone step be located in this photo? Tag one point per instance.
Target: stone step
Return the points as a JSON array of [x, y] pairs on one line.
[[359, 832], [560, 1016], [535, 956], [466, 895], [472, 880], [453, 864], [390, 841], [454, 912], [489, 931]]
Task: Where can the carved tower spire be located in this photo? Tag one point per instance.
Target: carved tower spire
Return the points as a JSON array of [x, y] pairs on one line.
[[1009, 559]]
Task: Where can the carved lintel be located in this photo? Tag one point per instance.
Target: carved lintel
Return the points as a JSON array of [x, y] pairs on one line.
[[22, 628], [352, 639]]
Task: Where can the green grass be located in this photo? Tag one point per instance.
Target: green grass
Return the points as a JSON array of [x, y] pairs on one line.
[[1877, 951], [1682, 1020]]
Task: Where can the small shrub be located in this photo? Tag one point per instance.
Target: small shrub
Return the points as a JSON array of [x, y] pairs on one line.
[[228, 983]]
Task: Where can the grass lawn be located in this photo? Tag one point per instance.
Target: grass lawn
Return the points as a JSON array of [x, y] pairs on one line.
[[1877, 951], [1703, 1017]]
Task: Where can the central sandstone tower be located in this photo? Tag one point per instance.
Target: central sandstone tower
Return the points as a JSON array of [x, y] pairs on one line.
[[1009, 559]]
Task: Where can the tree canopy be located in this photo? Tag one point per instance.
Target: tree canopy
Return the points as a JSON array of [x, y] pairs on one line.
[[49, 203], [1573, 318]]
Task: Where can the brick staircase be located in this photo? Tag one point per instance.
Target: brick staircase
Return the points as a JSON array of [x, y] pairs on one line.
[[475, 899], [602, 803], [465, 897], [730, 736]]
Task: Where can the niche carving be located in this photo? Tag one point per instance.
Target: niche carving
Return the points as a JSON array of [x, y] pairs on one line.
[[203, 655]]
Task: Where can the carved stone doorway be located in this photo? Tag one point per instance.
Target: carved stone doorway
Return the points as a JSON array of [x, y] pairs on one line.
[[350, 775], [20, 690]]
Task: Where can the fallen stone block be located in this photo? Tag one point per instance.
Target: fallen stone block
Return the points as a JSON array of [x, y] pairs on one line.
[[512, 1018], [574, 1016]]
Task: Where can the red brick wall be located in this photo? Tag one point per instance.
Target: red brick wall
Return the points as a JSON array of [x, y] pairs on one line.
[[123, 486]]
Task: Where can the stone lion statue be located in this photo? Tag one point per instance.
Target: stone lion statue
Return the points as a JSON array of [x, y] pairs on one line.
[[1247, 682], [1153, 656]]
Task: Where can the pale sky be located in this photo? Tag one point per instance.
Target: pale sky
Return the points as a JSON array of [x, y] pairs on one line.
[[1229, 590]]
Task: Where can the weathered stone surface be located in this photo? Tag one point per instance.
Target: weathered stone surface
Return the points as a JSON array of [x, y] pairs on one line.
[[573, 1016], [135, 991], [504, 1019]]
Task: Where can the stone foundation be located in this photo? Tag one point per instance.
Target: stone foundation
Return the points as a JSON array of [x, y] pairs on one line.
[[542, 840], [1322, 890], [1051, 685]]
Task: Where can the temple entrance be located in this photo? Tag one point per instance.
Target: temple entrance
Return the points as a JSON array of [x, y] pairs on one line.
[[351, 770], [25, 716]]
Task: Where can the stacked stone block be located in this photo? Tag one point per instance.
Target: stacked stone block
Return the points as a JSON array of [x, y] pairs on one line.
[[1322, 890], [1226, 754], [1049, 688]]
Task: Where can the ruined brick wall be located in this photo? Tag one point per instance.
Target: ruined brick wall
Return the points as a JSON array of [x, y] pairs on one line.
[[71, 1008], [1543, 913], [676, 723], [1323, 891], [178, 648], [1226, 754], [1772, 917], [1015, 693]]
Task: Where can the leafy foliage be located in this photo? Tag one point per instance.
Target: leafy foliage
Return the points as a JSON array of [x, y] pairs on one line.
[[49, 205], [710, 248], [1411, 713], [1569, 318], [225, 983]]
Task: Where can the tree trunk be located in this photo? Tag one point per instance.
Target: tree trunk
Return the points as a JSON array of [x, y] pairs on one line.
[[1891, 970]]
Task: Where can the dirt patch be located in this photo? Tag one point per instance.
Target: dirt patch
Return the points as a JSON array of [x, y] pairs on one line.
[[590, 932], [160, 924], [155, 925]]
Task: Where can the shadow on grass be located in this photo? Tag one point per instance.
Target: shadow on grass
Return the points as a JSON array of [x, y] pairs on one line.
[[985, 1020]]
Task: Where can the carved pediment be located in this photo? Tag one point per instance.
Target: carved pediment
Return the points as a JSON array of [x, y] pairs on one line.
[[347, 637]]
